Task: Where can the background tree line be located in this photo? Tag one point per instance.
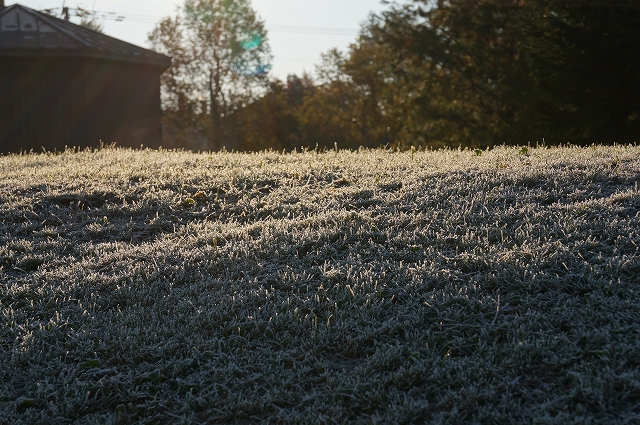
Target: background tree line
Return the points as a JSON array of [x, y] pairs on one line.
[[472, 73]]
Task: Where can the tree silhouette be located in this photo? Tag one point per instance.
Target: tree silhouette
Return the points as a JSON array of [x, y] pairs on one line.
[[222, 62]]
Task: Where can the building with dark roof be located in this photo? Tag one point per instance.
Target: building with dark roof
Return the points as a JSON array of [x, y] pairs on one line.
[[65, 85]]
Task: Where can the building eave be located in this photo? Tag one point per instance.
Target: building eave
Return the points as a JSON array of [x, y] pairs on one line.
[[162, 62], [86, 43]]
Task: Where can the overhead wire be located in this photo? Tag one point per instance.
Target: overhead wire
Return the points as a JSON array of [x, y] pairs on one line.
[[150, 19]]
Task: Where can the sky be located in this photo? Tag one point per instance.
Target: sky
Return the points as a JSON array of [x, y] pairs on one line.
[[298, 30]]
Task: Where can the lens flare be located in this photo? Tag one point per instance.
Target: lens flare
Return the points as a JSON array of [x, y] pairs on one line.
[[252, 70], [249, 59], [252, 43]]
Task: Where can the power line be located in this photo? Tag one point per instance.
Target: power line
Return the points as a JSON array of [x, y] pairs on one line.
[[313, 30], [150, 19], [296, 60]]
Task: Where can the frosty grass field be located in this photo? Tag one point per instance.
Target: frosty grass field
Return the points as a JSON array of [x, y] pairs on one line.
[[332, 287]]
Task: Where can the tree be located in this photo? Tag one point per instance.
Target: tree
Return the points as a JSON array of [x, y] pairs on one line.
[[182, 104], [497, 71], [269, 122], [87, 18], [327, 116], [382, 101], [599, 74], [223, 61], [360, 100]]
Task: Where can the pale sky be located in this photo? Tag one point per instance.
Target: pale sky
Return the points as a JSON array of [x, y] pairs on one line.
[[299, 30]]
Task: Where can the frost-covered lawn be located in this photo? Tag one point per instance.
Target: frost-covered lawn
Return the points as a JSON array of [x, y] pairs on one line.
[[364, 287]]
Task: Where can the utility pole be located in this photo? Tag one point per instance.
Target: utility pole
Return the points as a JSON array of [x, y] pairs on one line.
[[65, 11]]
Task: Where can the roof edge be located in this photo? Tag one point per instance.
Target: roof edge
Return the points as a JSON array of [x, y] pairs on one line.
[[137, 55], [163, 62]]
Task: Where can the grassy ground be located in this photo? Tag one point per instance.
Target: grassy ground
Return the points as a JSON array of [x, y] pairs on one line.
[[363, 287]]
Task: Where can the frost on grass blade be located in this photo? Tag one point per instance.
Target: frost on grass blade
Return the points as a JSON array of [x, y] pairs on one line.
[[369, 286]]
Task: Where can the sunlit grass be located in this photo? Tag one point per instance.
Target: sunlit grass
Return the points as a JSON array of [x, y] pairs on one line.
[[497, 286]]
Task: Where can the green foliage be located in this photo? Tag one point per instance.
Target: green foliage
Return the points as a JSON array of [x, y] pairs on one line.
[[492, 72], [221, 58], [454, 73], [270, 121]]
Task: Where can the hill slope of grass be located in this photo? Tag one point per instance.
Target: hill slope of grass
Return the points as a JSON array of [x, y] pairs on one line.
[[364, 287]]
